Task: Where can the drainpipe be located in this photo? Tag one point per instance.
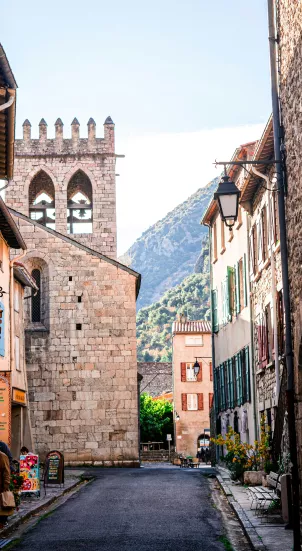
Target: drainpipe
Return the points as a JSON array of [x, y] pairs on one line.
[[11, 307], [7, 104], [273, 280], [284, 265], [252, 339]]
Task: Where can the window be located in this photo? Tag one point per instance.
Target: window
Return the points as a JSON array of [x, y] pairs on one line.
[[17, 353], [194, 341], [262, 340], [36, 297], [16, 297], [264, 234], [192, 402], [2, 330], [214, 304], [190, 375], [230, 299], [215, 242], [253, 251], [79, 204], [187, 372], [42, 200], [78, 326], [79, 299], [280, 322], [211, 398], [260, 241], [222, 236], [269, 332], [211, 371]]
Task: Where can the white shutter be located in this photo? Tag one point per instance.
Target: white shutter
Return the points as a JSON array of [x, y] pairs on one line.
[[192, 402]]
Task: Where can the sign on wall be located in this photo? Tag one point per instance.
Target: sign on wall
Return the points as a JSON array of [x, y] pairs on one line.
[[5, 410], [19, 396], [54, 469], [30, 470]]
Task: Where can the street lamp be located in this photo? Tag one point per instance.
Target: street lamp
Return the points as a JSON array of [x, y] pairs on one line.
[[196, 368], [227, 196]]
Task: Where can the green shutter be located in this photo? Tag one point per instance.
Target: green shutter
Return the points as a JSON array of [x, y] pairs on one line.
[[230, 366], [215, 325], [244, 281], [247, 373], [223, 405], [237, 381], [229, 290], [237, 288]]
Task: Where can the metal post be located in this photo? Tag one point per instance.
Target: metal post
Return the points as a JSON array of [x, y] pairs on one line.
[[284, 265]]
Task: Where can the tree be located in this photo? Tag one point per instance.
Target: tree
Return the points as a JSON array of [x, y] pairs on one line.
[[156, 419]]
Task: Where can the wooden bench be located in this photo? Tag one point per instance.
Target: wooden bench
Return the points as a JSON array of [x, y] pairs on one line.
[[264, 497]]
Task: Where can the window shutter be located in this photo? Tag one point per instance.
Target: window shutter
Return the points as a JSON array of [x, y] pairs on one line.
[[222, 387], [264, 341], [184, 404], [183, 371], [211, 396], [240, 378], [237, 381], [199, 376], [231, 383], [237, 287], [252, 252], [200, 401], [273, 232], [211, 371], [215, 326], [260, 240], [216, 389], [247, 374], [229, 292], [2, 329], [244, 281]]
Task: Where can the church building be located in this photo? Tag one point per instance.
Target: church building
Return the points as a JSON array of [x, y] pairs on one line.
[[81, 324]]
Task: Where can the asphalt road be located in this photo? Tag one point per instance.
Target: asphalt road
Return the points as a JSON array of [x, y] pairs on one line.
[[133, 510]]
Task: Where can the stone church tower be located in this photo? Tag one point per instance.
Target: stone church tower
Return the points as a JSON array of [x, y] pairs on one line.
[[81, 324]]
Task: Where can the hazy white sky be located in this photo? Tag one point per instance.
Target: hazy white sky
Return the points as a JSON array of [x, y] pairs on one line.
[[162, 170]]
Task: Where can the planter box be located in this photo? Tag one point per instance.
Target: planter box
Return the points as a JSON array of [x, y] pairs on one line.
[[253, 478]]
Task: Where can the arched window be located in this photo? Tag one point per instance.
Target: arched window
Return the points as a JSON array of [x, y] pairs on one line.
[[41, 195], [36, 297], [79, 204]]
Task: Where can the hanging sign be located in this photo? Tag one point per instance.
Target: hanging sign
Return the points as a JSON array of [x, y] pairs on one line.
[[30, 470], [19, 396], [54, 471], [5, 401]]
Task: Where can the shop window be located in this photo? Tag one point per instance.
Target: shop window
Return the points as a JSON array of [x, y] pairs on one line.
[[2, 330]]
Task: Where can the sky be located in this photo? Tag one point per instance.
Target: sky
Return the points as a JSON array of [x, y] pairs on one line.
[[185, 83]]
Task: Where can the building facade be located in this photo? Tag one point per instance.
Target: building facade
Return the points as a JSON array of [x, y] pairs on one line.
[[81, 324], [231, 316], [192, 394]]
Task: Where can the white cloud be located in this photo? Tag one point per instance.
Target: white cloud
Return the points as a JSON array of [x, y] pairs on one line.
[[162, 170]]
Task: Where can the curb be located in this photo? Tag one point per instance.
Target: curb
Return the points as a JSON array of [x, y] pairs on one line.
[[16, 522], [248, 528]]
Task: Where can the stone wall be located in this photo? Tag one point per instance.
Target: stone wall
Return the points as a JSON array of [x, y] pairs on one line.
[[157, 377], [81, 358], [60, 159], [290, 50]]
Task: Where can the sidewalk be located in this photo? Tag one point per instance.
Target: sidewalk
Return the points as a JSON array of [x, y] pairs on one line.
[[30, 506], [263, 536]]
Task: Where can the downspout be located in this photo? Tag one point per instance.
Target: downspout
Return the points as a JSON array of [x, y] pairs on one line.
[[252, 337], [11, 307], [286, 291], [273, 279], [7, 104]]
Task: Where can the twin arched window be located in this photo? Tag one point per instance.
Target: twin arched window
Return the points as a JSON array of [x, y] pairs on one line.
[[79, 202]]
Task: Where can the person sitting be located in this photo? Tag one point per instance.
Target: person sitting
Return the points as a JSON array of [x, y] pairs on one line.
[[24, 450]]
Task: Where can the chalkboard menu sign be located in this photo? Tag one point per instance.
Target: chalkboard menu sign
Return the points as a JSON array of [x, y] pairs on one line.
[[54, 468]]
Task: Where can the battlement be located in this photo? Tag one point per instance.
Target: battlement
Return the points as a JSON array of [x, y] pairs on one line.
[[60, 146]]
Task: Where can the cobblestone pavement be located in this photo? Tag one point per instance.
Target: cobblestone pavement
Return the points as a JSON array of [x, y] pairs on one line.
[[148, 509]]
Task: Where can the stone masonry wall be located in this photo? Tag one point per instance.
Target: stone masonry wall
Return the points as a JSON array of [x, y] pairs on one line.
[[157, 377], [81, 360], [60, 159], [290, 51]]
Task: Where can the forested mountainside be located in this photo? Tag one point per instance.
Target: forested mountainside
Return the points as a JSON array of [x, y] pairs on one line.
[[172, 249], [154, 322]]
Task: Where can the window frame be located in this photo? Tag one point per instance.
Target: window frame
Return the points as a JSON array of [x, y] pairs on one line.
[[191, 401]]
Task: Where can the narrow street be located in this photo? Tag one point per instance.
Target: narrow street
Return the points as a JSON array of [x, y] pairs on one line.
[[145, 509]]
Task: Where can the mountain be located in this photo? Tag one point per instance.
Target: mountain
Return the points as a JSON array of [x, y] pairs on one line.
[[171, 249], [154, 322]]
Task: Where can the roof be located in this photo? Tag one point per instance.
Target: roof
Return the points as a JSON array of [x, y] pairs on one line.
[[68, 239], [192, 327], [8, 87], [9, 228], [22, 275], [264, 150]]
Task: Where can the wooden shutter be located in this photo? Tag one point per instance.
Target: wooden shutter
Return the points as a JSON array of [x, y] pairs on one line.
[[260, 240], [211, 371], [183, 372], [2, 330], [211, 396], [280, 322], [252, 252], [199, 376], [200, 401], [184, 404], [237, 288], [244, 280], [264, 341]]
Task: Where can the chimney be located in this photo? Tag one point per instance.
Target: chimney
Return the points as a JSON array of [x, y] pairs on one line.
[[59, 130], [75, 131], [91, 130], [26, 130], [109, 134], [42, 130]]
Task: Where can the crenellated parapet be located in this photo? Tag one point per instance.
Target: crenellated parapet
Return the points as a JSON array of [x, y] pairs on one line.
[[60, 145]]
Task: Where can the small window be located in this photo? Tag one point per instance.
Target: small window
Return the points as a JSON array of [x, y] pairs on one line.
[[78, 326], [194, 341], [70, 278], [36, 298], [2, 334], [190, 375], [16, 297], [79, 299], [17, 353], [192, 402]]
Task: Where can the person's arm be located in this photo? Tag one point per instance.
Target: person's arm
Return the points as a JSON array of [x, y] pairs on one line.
[[6, 473]]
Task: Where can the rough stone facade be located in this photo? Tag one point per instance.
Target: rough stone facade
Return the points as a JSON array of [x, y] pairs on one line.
[[157, 377], [81, 343], [290, 52]]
